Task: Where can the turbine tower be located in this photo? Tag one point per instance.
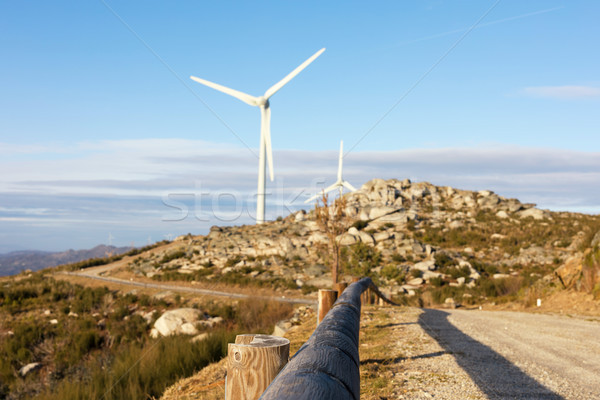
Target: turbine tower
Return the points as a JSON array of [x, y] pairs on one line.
[[265, 126], [340, 183]]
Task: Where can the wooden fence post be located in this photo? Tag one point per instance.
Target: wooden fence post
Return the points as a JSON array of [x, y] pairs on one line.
[[326, 300], [381, 300], [253, 361], [340, 287]]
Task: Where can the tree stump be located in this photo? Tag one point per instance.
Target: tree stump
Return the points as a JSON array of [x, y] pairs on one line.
[[253, 361], [326, 300]]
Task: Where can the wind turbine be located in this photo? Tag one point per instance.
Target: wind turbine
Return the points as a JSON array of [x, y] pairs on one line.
[[340, 183], [265, 126]]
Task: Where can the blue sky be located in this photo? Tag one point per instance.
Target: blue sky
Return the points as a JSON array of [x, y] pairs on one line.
[[101, 128]]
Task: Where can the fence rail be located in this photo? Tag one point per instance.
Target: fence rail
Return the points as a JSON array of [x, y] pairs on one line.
[[327, 365]]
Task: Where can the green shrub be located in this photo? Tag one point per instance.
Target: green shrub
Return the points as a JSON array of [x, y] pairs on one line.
[[172, 256], [399, 258], [415, 273], [436, 281], [393, 273], [307, 289], [443, 260], [363, 258], [360, 224]]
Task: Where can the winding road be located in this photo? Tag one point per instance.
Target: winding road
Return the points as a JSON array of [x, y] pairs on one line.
[[175, 288]]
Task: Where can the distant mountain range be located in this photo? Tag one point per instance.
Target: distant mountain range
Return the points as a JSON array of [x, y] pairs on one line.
[[14, 262]]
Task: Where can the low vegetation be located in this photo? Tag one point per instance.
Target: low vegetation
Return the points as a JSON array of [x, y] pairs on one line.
[[95, 343]]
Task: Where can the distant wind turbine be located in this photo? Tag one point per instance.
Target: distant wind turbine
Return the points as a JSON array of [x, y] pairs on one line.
[[265, 126], [110, 239], [340, 183]]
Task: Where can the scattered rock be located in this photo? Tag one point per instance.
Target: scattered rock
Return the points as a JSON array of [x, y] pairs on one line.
[[427, 275], [450, 303], [428, 265], [281, 328], [300, 216], [456, 224], [415, 282], [502, 214], [353, 231], [29, 368]]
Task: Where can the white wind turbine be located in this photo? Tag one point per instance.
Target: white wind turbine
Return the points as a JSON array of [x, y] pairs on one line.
[[265, 126], [340, 183]]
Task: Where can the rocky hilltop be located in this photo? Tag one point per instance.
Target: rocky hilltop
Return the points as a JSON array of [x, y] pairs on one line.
[[409, 236]]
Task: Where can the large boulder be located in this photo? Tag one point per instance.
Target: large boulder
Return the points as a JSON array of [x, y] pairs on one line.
[[347, 239], [488, 200], [181, 320], [380, 192], [378, 212], [570, 272], [534, 213]]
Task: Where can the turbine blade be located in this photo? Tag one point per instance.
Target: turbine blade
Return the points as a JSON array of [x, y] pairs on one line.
[[266, 124], [349, 186], [332, 187], [246, 98], [316, 196], [339, 177], [273, 89], [324, 191]]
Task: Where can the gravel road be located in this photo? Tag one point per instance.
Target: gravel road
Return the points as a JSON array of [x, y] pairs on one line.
[[187, 289], [509, 355]]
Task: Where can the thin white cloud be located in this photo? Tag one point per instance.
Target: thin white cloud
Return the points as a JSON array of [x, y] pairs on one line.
[[562, 92], [126, 187]]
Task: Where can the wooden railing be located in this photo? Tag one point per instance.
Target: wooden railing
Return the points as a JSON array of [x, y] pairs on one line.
[[327, 365]]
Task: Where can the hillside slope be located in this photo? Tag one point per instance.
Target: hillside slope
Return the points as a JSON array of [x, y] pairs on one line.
[[14, 262], [418, 240]]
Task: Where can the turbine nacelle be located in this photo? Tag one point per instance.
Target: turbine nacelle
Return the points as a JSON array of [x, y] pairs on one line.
[[262, 102]]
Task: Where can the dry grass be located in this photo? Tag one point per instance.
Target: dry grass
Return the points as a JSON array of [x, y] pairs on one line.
[[209, 383], [380, 362]]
